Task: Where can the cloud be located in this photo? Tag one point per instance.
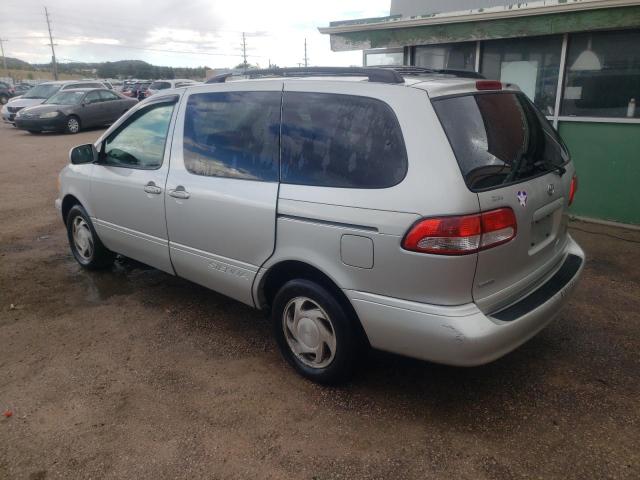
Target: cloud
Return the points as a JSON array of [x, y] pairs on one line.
[[182, 32]]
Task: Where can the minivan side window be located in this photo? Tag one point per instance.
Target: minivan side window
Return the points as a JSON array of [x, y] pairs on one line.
[[233, 134], [346, 141], [139, 143]]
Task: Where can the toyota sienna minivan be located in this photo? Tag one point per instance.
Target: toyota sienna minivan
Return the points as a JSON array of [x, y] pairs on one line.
[[423, 213]]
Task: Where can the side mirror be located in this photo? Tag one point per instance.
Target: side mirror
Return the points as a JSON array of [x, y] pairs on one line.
[[83, 154]]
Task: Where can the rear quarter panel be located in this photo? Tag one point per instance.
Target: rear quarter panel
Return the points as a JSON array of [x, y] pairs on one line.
[[312, 220]]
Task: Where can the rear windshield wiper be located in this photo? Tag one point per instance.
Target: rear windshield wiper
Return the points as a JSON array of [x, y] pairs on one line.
[[552, 167]]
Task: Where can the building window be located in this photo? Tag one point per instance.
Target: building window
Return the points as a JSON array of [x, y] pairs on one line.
[[452, 56], [392, 56], [531, 63], [603, 75]]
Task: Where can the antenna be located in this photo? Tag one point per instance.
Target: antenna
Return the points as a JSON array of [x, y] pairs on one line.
[[306, 59], [54, 64]]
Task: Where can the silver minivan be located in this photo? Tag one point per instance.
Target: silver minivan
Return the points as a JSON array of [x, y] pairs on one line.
[[422, 214]]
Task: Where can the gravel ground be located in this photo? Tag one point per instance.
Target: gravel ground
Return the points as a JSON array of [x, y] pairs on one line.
[[133, 373]]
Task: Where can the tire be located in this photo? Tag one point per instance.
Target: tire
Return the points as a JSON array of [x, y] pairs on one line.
[[3, 99], [314, 332], [73, 125], [85, 245]]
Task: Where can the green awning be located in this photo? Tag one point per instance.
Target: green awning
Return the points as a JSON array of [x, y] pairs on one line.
[[391, 32]]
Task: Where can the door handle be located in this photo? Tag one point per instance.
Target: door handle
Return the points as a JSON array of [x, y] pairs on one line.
[[179, 192], [151, 187]]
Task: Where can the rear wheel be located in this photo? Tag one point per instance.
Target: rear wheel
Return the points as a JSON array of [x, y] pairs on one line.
[[73, 124], [3, 99], [85, 245], [314, 332]]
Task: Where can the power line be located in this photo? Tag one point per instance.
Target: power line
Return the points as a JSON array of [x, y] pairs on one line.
[[4, 59], [244, 50], [54, 65]]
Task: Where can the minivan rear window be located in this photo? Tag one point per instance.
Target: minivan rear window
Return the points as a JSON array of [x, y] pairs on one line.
[[499, 138], [346, 141]]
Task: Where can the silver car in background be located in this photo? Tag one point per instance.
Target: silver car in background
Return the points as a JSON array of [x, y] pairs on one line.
[[424, 215], [159, 85]]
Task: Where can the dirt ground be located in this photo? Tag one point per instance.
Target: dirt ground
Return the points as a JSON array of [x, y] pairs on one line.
[[134, 374]]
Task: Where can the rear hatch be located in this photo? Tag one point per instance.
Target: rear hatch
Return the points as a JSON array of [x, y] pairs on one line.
[[511, 157]]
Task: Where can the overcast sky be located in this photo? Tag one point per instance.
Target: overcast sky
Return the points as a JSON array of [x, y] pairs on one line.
[[91, 30]]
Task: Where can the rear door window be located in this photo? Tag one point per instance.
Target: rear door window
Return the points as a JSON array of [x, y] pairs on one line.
[[499, 138], [233, 134], [344, 141]]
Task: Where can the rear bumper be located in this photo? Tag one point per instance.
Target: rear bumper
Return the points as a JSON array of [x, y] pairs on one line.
[[463, 335]]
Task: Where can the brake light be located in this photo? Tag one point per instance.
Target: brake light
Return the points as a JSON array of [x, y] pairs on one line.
[[488, 85], [573, 189], [461, 235]]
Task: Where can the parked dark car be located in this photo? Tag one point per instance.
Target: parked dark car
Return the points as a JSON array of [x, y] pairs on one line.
[[139, 89], [71, 110], [6, 92]]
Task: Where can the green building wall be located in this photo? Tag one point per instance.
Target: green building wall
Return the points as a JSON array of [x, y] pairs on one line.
[[607, 158]]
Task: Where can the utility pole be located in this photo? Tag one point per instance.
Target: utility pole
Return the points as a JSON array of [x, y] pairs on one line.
[[54, 65], [244, 51], [4, 59], [306, 59]]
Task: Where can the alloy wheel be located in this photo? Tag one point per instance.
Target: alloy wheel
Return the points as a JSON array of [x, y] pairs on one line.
[[309, 332], [82, 238]]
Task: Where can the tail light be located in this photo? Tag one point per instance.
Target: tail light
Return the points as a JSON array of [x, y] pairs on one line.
[[488, 85], [461, 235], [12, 91], [573, 189]]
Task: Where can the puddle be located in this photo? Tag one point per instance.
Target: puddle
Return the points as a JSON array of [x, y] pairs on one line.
[[124, 277]]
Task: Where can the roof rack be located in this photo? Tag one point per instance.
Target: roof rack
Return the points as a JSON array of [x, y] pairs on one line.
[[374, 74], [413, 70]]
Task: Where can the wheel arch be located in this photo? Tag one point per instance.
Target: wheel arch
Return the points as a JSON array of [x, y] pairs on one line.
[[68, 202], [284, 270]]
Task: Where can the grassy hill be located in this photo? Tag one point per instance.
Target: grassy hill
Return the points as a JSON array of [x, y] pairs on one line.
[[121, 68]]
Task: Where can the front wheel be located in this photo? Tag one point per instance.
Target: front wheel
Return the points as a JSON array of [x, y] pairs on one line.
[[314, 332], [85, 245], [73, 125]]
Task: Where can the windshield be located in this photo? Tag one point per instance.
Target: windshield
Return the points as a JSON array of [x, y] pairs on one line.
[[66, 98], [159, 85], [499, 138], [42, 91]]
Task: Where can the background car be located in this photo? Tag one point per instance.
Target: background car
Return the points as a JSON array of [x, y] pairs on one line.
[[158, 85], [40, 93], [6, 92], [139, 90], [22, 88], [71, 110]]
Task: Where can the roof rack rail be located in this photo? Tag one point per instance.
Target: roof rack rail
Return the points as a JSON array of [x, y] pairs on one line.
[[413, 70], [374, 74]]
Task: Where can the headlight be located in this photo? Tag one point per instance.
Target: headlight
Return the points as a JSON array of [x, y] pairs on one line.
[[49, 115]]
